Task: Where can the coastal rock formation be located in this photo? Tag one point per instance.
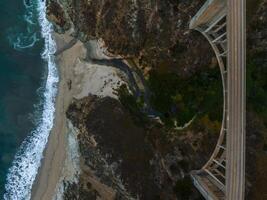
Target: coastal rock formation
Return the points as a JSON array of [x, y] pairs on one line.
[[124, 153], [113, 148], [125, 159], [56, 14], [154, 33]]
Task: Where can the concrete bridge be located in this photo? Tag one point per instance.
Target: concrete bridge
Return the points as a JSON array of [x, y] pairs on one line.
[[222, 22]]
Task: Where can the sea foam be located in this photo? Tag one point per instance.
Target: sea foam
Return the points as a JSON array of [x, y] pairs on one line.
[[26, 37], [22, 173]]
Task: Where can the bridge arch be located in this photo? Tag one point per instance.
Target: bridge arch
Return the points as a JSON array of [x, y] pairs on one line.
[[214, 171], [223, 176]]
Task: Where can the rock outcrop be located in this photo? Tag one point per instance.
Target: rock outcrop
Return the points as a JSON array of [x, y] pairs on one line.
[[122, 159], [154, 33], [127, 160]]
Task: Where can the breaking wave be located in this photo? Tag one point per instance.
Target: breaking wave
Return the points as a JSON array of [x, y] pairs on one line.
[[21, 38], [22, 173]]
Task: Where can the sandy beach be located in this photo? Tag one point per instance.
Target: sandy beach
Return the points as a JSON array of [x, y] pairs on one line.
[[54, 155], [78, 78]]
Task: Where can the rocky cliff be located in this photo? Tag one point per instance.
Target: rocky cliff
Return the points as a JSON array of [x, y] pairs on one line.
[[133, 147], [155, 33]]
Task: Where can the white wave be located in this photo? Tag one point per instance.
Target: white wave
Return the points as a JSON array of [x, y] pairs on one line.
[[27, 3], [21, 38], [24, 42], [29, 18], [24, 169]]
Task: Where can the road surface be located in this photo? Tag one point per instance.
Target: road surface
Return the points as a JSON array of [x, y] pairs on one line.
[[235, 151]]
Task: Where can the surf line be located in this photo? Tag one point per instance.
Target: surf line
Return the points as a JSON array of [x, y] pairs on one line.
[[24, 169]]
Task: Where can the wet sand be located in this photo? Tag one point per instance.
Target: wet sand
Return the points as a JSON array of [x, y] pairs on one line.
[[54, 155], [78, 78]]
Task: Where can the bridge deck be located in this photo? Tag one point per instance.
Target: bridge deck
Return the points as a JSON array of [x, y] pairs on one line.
[[206, 186], [235, 152], [208, 13], [223, 176]]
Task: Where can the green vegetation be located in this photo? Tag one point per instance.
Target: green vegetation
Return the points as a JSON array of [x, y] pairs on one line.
[[257, 84], [180, 99], [183, 188], [133, 105], [253, 5], [257, 87], [205, 124]]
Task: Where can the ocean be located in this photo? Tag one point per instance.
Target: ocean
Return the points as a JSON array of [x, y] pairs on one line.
[[28, 87]]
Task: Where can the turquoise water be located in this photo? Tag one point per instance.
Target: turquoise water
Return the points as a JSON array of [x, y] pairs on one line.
[[27, 91]]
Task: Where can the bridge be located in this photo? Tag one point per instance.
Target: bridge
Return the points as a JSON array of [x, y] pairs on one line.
[[222, 23]]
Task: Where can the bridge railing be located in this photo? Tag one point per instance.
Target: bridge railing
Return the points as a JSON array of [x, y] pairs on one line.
[[215, 169]]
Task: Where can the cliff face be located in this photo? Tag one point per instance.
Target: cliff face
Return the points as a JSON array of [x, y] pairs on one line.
[[122, 159], [155, 33], [132, 156], [114, 148]]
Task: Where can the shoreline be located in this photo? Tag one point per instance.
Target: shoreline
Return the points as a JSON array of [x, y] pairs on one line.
[[77, 78], [54, 154], [28, 158]]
